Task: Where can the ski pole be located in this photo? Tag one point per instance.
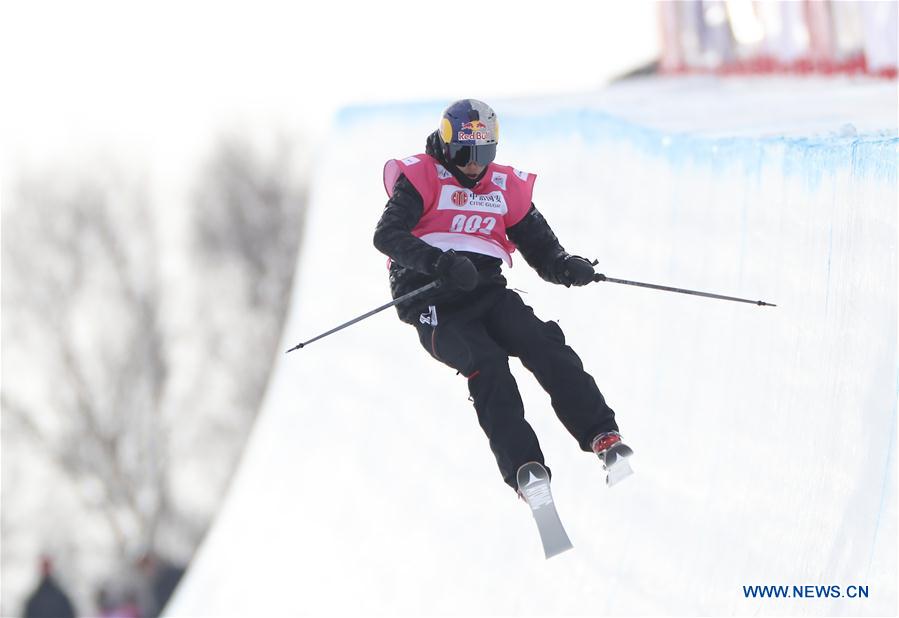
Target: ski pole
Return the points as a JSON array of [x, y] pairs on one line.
[[601, 277], [395, 301]]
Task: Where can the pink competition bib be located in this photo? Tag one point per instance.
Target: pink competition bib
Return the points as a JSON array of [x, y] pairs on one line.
[[465, 219]]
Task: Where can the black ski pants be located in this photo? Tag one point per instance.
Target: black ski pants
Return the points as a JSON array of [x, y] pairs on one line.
[[477, 340]]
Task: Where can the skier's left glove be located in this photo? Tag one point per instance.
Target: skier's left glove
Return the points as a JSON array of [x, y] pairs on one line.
[[574, 270]]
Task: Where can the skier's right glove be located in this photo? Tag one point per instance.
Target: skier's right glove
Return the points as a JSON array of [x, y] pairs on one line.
[[456, 271], [574, 270]]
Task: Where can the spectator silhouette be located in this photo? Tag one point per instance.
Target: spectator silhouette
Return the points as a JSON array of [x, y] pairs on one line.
[[48, 600], [162, 577]]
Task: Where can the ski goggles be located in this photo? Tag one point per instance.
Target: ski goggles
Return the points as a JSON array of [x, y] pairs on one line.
[[461, 155]]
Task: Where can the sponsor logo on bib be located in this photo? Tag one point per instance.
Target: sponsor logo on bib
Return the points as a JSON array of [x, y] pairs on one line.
[[455, 198], [459, 198]]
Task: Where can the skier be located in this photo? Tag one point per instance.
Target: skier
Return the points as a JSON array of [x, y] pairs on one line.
[[454, 215]]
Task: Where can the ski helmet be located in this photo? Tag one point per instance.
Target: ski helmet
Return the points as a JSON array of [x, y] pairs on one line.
[[469, 132]]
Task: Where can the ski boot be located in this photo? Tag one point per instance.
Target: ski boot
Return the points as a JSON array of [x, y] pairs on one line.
[[613, 454]]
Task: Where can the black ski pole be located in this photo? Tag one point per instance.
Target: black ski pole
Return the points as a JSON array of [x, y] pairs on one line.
[[601, 277], [395, 301]]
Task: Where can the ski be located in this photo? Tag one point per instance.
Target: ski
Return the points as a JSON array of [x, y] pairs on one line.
[[533, 485], [615, 463]]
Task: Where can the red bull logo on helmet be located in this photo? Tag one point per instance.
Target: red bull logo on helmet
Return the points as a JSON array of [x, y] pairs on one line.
[[474, 130]]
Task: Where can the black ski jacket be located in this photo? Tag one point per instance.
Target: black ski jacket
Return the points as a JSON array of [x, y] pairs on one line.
[[413, 260]]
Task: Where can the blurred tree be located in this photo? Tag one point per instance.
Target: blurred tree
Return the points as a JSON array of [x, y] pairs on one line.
[[128, 398], [87, 394], [247, 215], [81, 298]]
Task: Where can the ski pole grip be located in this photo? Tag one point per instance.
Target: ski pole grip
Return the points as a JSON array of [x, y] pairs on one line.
[[599, 277]]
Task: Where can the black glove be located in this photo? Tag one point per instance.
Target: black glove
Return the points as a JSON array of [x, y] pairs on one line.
[[574, 270], [456, 271]]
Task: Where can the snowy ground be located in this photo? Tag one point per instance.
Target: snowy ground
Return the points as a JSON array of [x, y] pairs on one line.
[[764, 437]]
